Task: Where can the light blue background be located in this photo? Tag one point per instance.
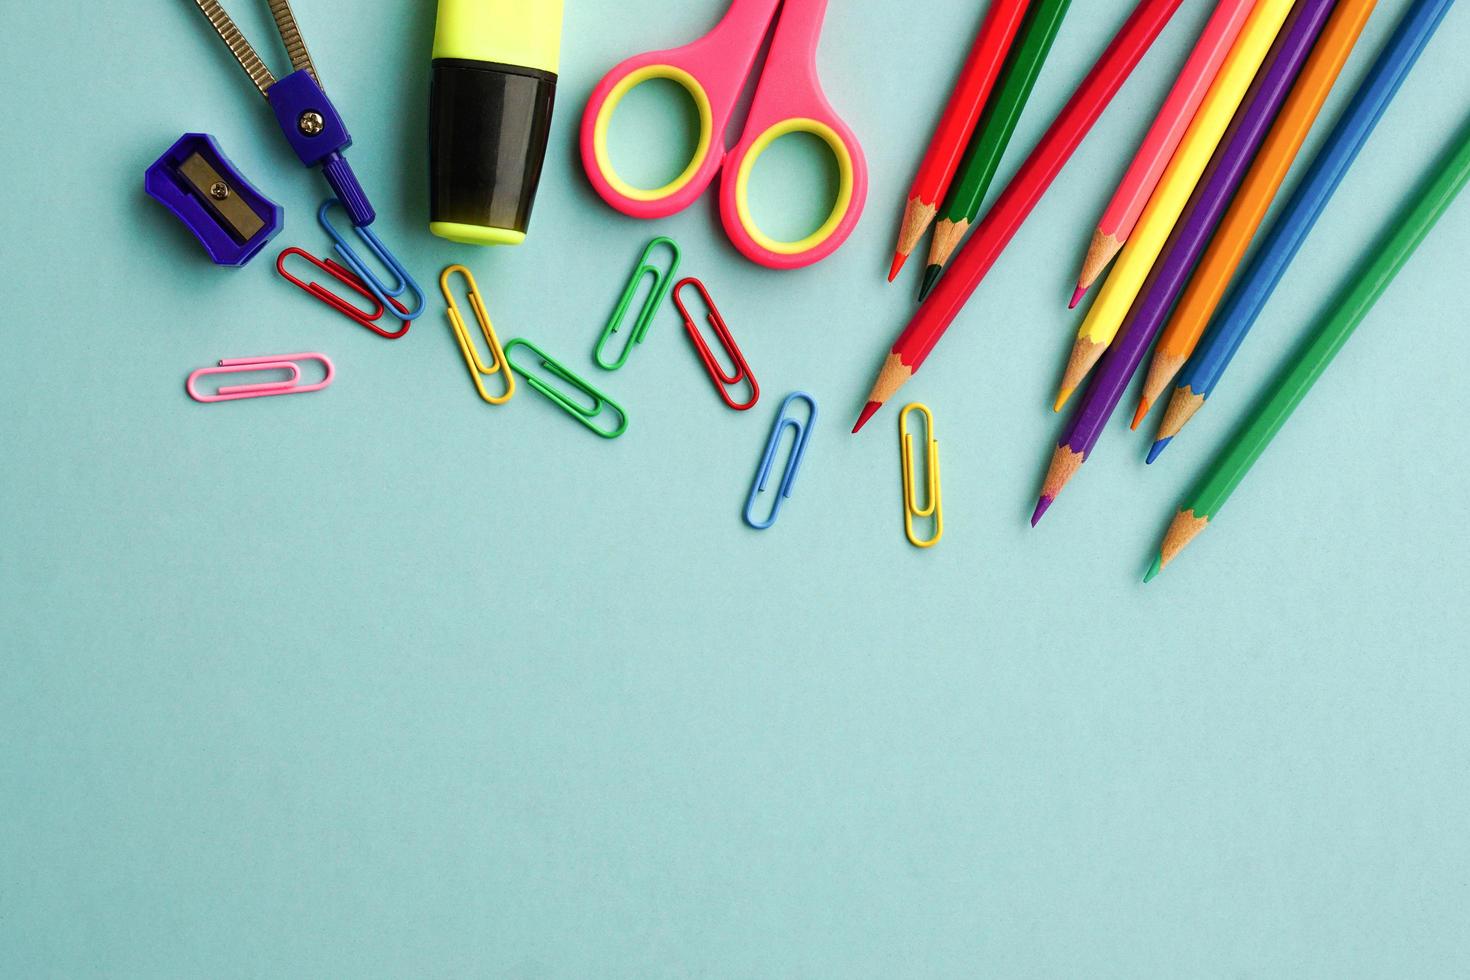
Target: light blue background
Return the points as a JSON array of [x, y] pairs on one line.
[[382, 681]]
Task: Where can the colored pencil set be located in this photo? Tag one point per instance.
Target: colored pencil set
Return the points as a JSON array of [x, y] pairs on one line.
[[958, 182], [1188, 208]]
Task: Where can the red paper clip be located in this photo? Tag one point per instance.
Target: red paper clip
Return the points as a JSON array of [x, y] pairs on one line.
[[366, 317], [723, 382]]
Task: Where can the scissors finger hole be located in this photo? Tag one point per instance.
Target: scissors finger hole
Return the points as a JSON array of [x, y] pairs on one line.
[[654, 134], [662, 132], [816, 151], [792, 187]]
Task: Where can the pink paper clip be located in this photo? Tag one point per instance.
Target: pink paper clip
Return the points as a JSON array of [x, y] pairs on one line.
[[273, 362]]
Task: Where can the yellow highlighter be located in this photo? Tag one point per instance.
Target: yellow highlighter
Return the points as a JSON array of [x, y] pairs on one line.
[[490, 101]]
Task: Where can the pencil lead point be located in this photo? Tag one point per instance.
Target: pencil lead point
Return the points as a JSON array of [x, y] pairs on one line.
[[898, 260], [869, 410], [1157, 448], [1062, 396], [1077, 297], [1042, 503], [1142, 412], [931, 276], [1154, 569]]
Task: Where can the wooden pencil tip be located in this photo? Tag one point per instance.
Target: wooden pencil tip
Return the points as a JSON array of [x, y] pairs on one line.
[[1182, 529], [899, 259], [931, 276], [1100, 252], [917, 217], [1157, 448], [1154, 569], [1140, 413], [1181, 408], [1084, 356], [869, 410], [1062, 395], [1077, 295], [1064, 464]]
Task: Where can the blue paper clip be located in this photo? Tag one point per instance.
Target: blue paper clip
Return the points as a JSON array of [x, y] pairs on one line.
[[798, 450], [385, 295]]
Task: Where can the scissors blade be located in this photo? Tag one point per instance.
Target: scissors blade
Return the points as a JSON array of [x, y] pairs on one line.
[[291, 38], [259, 74]]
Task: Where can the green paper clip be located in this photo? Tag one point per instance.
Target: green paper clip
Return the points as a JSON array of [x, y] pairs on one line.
[[581, 413], [662, 281]]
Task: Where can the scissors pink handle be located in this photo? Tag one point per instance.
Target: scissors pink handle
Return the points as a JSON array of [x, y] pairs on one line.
[[788, 99]]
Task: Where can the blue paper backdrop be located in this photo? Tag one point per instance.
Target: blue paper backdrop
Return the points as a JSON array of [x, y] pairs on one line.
[[384, 681]]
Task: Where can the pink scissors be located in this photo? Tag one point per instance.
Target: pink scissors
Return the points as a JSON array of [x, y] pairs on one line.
[[788, 99]]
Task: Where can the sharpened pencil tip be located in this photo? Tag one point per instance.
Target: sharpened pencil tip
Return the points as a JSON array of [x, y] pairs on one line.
[[1157, 448], [869, 410], [1042, 503], [898, 260], [1077, 295], [931, 276], [1142, 412], [1062, 397], [1154, 569]]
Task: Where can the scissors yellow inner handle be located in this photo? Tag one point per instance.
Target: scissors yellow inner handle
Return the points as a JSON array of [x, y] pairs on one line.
[[844, 186], [604, 118]]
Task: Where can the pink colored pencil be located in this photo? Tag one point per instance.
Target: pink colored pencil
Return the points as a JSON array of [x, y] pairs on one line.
[[1163, 137]]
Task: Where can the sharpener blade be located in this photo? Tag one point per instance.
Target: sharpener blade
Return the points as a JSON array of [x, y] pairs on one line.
[[218, 196], [204, 190]]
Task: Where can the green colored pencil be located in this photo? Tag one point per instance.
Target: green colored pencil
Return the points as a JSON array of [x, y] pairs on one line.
[[982, 159], [1383, 262]]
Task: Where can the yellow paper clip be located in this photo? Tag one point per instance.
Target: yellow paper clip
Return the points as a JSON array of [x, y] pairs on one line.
[[478, 368], [911, 509]]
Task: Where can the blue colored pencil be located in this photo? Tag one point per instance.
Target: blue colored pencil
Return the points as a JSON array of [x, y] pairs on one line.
[[1239, 312]]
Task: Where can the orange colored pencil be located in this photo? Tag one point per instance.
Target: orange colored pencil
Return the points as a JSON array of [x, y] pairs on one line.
[[957, 124], [1253, 200]]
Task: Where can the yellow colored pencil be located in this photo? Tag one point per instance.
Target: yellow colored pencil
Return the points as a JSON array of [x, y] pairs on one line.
[[1171, 195], [1253, 199]]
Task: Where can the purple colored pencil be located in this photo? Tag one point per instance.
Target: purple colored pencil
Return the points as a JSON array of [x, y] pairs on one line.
[[1186, 243]]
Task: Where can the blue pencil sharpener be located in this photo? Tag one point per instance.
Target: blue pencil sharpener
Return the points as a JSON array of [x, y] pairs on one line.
[[197, 182]]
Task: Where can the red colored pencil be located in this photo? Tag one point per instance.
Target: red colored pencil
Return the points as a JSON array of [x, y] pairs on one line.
[[997, 228], [957, 124]]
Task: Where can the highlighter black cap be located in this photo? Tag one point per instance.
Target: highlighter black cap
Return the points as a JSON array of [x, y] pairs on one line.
[[490, 102]]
